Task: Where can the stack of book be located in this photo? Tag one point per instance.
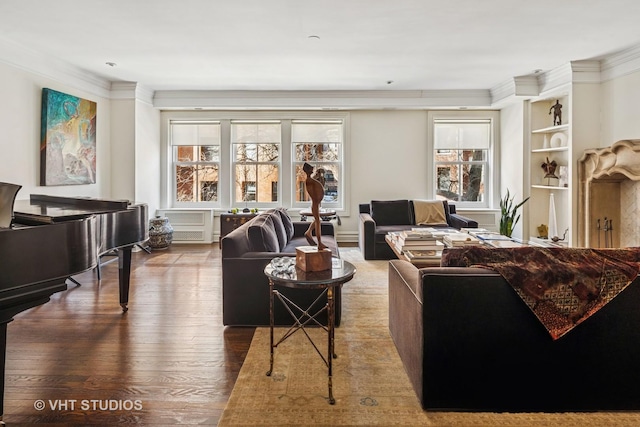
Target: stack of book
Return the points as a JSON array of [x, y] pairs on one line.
[[454, 240], [418, 240]]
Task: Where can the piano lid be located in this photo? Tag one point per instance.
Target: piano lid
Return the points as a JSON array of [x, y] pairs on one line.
[[43, 209]]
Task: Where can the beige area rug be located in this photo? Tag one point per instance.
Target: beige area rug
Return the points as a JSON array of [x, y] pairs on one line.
[[370, 385]]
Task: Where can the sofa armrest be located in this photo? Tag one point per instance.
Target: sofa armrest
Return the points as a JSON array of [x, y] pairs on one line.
[[367, 235], [458, 221]]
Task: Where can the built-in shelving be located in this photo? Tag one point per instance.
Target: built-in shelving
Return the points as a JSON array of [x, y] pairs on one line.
[[549, 142]]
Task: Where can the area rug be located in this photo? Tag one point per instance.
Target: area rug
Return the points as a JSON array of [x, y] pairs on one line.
[[370, 385]]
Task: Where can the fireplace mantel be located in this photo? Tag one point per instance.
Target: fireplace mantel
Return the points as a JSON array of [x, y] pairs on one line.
[[604, 167]]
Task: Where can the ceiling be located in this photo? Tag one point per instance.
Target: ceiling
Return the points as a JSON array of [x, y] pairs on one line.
[[319, 44]]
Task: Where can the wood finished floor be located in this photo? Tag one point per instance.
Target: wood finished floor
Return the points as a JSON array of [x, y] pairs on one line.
[[169, 355]]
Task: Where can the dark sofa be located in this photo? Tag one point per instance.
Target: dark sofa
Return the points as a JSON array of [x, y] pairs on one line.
[[382, 216], [245, 253], [468, 342]]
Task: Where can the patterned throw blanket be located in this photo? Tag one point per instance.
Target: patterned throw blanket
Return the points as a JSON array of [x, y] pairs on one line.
[[562, 286]]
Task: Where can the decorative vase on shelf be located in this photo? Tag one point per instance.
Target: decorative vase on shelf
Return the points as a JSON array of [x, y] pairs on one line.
[[553, 223], [160, 233], [545, 142]]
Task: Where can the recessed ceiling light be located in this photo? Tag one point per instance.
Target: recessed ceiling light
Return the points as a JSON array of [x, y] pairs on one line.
[[314, 37], [389, 82], [111, 64]]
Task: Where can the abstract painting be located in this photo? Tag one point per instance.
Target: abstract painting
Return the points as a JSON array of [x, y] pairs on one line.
[[67, 139]]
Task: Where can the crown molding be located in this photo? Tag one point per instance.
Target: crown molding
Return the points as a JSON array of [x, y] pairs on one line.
[[131, 90], [621, 63], [520, 86], [37, 63], [410, 99]]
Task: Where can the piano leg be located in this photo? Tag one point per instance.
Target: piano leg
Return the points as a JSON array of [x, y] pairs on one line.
[[3, 356], [124, 275]]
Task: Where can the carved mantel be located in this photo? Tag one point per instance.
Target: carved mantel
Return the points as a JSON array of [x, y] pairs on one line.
[[604, 166]]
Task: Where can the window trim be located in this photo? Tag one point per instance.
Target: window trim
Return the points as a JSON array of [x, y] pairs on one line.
[[493, 166]]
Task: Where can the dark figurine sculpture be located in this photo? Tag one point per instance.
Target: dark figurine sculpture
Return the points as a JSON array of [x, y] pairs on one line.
[[316, 193], [557, 113], [550, 168]]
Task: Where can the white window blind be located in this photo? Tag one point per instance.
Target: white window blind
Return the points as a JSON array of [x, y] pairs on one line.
[[190, 133], [459, 135]]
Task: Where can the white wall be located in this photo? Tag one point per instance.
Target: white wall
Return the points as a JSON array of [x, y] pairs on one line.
[[20, 113], [620, 112], [387, 159], [512, 159], [147, 156], [123, 139]]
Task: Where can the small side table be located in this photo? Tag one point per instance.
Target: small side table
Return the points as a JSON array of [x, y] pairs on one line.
[[324, 214], [231, 221], [341, 272]]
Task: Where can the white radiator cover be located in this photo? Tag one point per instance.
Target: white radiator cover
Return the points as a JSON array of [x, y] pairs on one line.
[[190, 225]]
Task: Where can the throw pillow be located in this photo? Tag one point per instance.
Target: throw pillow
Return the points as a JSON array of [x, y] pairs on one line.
[[262, 235], [281, 233]]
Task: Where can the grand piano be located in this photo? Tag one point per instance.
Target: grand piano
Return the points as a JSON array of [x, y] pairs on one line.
[[50, 239]]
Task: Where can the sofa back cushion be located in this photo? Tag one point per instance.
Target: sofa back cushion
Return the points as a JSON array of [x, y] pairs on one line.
[[262, 234], [278, 225], [391, 212], [286, 221]]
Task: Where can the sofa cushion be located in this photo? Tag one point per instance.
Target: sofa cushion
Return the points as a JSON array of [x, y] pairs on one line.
[[391, 212], [281, 233], [286, 221], [262, 234]]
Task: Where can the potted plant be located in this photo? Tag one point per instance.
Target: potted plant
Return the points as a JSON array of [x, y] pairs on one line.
[[508, 218]]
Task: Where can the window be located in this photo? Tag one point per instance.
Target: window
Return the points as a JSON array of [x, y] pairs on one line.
[[252, 159], [256, 161], [196, 157], [318, 143], [462, 158]]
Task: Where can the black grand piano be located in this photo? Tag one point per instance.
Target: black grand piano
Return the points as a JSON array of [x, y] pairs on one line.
[[50, 239]]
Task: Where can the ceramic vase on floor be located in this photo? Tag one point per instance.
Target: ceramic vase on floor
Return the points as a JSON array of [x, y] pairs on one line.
[[160, 233]]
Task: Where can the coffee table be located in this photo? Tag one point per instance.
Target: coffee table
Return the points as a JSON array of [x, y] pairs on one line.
[[341, 272]]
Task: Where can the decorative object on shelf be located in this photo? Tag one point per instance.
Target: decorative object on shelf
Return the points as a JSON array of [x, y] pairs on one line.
[[556, 109], [508, 218], [557, 239], [160, 233], [553, 222], [558, 139], [549, 168], [543, 231], [563, 176], [67, 139], [545, 141]]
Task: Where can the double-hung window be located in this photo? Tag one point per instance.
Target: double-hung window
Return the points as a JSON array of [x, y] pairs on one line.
[[462, 158], [319, 143], [195, 149], [256, 161]]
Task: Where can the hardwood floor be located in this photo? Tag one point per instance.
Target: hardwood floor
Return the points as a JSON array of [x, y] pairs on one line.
[[167, 361]]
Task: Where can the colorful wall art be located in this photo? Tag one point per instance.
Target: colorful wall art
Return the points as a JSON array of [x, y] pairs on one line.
[[68, 139]]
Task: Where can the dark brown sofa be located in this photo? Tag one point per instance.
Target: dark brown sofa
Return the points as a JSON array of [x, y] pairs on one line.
[[382, 216], [468, 342], [245, 253]]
